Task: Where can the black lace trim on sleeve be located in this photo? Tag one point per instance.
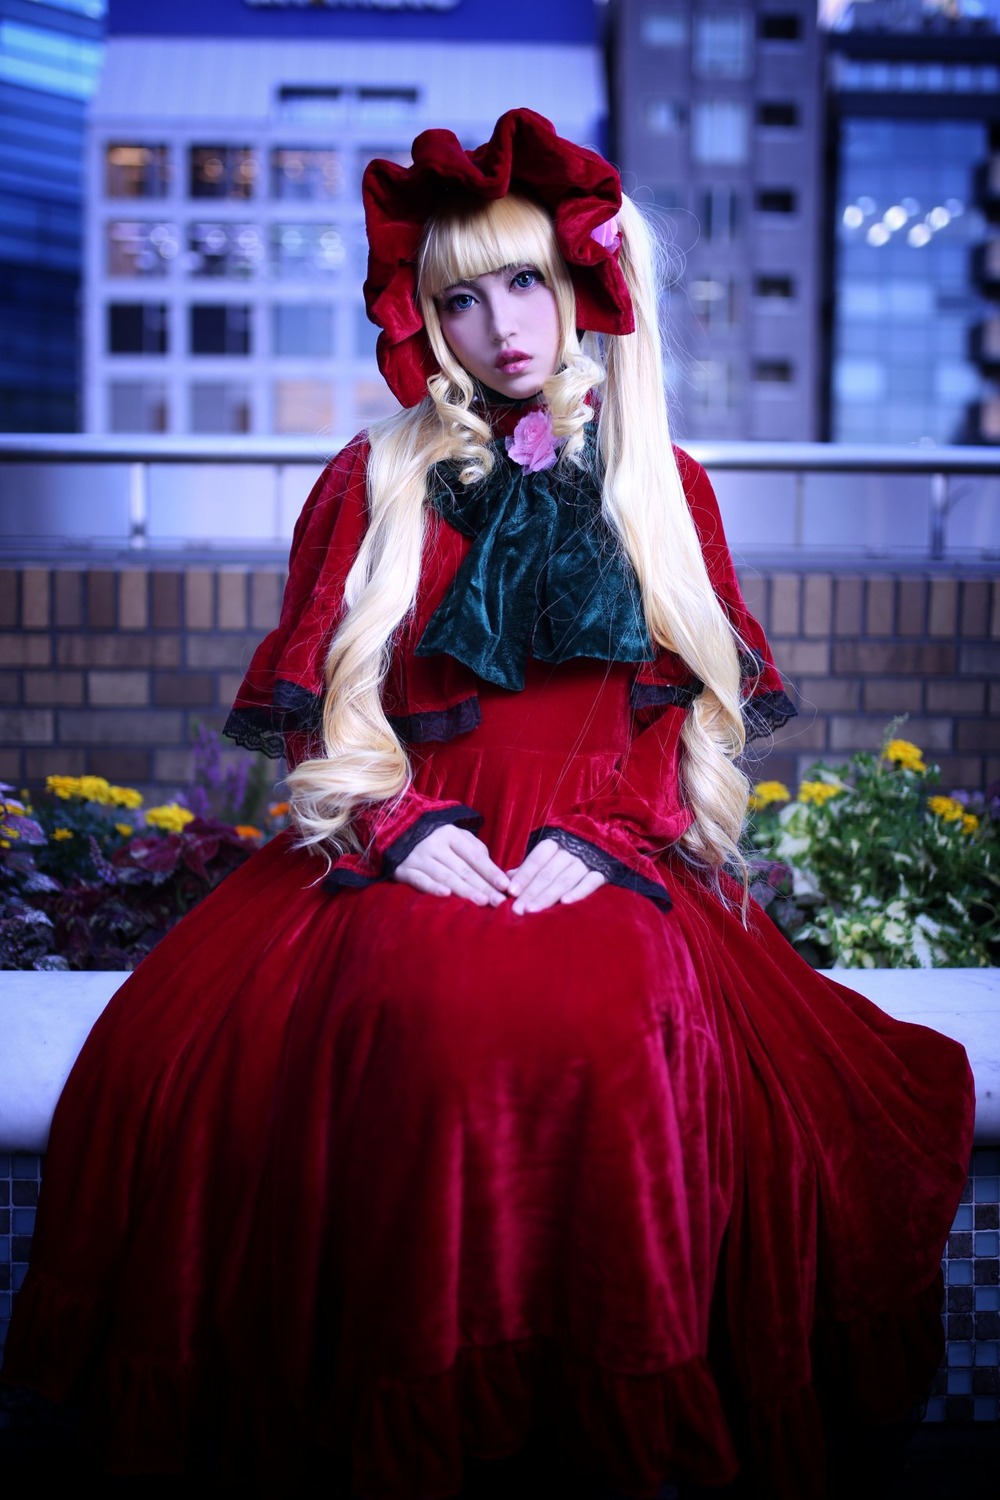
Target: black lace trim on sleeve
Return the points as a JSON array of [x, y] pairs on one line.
[[292, 708], [438, 725], [417, 832], [647, 695], [766, 712], [595, 858], [352, 880]]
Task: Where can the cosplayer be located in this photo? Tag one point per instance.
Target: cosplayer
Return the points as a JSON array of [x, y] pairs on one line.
[[484, 1104]]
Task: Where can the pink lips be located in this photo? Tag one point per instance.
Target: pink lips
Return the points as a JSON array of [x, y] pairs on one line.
[[511, 361]]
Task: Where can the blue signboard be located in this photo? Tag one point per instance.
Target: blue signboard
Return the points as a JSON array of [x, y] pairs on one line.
[[523, 21]]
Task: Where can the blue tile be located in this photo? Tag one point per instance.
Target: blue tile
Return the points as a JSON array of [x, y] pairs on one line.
[[5, 1250], [986, 1242], [963, 1218], [22, 1221], [24, 1166], [935, 1409], [960, 1353], [987, 1189], [987, 1298], [984, 1409], [17, 1278], [988, 1352], [959, 1382], [985, 1160], [959, 1273]]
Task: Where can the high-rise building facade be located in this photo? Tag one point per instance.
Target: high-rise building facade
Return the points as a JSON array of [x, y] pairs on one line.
[[915, 287], [717, 125], [50, 54], [225, 241]]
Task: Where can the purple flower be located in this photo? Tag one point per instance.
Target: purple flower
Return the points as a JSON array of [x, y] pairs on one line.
[[608, 234], [533, 444]]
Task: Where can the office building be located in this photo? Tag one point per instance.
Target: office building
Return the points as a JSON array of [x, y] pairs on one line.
[[225, 235], [717, 125], [50, 53], [915, 285]]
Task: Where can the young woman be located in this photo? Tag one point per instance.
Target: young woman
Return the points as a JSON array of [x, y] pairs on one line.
[[484, 1103]]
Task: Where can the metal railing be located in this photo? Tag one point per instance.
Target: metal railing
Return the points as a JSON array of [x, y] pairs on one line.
[[44, 503]]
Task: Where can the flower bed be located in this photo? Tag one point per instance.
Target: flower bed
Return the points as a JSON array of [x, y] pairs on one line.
[[869, 867]]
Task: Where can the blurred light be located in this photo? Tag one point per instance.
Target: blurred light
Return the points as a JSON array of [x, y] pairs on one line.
[[867, 205], [878, 235], [911, 205], [955, 206], [895, 217], [853, 217], [918, 236], [938, 218]]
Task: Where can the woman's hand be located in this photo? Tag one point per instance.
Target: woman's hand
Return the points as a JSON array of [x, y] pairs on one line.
[[551, 876], [451, 861]]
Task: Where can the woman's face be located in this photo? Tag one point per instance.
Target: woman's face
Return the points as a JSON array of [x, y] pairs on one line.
[[503, 327]]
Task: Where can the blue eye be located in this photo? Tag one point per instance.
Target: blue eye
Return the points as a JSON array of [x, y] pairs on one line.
[[459, 302], [527, 278]]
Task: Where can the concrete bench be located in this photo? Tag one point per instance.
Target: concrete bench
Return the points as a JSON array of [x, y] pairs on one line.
[[45, 1018]]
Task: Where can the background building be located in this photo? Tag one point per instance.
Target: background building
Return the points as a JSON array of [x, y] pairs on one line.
[[915, 172], [717, 121], [50, 52], [225, 237]]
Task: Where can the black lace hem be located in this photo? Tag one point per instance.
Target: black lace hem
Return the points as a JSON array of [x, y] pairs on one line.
[[436, 726], [418, 831], [614, 870], [254, 729], [350, 880], [647, 695], [767, 712], [264, 729]]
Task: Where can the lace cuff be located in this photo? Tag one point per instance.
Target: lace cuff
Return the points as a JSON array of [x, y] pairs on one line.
[[417, 832], [437, 726], [595, 858]]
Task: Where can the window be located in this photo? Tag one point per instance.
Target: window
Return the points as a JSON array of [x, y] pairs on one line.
[[715, 302], [778, 115], [715, 385], [303, 406], [770, 288], [779, 26], [220, 328], [776, 201], [365, 335], [380, 153], [137, 406], [224, 249], [664, 117], [720, 132], [134, 171], [140, 249], [303, 329], [220, 406], [301, 251], [722, 46], [659, 27], [306, 174], [222, 171], [372, 400], [773, 371], [137, 328], [719, 214]]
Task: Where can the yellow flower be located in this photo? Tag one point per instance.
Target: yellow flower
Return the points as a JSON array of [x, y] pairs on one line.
[[9, 833], [767, 792], [247, 831], [124, 796], [93, 789], [947, 808], [125, 829], [278, 810], [60, 834], [905, 754], [969, 822], [171, 817], [818, 792]]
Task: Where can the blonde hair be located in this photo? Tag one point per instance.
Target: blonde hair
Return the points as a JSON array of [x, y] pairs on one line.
[[643, 500]]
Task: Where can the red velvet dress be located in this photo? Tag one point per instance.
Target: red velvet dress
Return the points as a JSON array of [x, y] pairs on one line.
[[347, 1165]]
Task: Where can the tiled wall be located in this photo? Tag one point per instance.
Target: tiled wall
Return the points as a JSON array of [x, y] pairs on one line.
[[106, 671], [966, 1388]]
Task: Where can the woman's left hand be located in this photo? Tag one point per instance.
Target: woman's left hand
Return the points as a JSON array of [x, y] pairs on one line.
[[551, 876]]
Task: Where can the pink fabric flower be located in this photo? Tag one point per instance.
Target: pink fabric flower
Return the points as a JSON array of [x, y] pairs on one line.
[[608, 234], [533, 444]]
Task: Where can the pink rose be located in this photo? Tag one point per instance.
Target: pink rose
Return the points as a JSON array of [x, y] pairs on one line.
[[533, 444], [607, 234]]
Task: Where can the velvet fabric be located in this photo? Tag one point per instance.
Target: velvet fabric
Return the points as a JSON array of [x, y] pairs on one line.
[[578, 188], [402, 1180]]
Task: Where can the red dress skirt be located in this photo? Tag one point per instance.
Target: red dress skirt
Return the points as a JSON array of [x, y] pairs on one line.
[[404, 1178]]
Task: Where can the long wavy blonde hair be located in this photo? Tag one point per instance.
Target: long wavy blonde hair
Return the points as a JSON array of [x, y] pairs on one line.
[[363, 761]]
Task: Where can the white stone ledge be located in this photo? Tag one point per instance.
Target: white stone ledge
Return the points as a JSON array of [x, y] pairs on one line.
[[45, 1018]]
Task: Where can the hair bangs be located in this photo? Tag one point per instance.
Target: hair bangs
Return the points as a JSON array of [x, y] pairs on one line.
[[479, 237]]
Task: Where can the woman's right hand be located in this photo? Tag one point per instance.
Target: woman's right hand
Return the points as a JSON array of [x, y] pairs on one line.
[[451, 861]]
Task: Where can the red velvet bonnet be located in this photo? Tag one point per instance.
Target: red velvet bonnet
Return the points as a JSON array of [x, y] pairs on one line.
[[578, 188]]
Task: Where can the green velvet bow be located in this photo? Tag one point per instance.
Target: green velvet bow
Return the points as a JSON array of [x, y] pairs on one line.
[[545, 575]]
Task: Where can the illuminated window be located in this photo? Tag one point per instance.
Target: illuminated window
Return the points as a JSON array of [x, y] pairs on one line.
[[303, 251], [720, 132], [137, 328], [137, 406], [659, 27], [306, 173], [664, 116], [140, 249], [220, 406], [365, 335], [220, 328], [715, 302], [224, 249], [719, 212], [373, 399], [303, 406], [222, 171], [137, 171], [303, 330], [722, 46]]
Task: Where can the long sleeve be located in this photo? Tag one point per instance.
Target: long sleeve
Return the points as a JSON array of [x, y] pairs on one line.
[[278, 709]]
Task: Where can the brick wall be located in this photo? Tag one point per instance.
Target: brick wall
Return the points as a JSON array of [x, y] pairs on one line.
[[108, 670]]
